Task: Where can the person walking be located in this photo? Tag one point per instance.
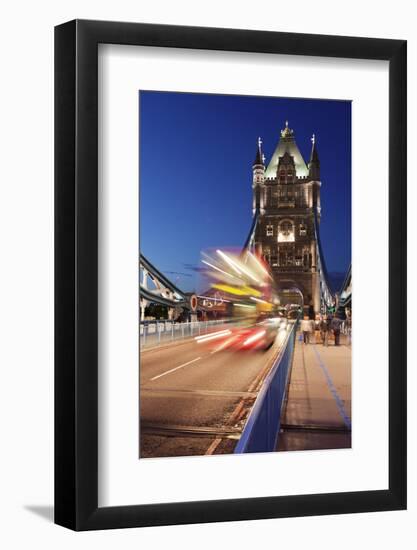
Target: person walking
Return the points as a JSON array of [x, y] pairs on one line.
[[306, 328], [324, 330], [336, 326], [348, 324], [316, 325]]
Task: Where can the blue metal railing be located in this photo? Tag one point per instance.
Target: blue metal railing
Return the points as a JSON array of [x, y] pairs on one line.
[[261, 431]]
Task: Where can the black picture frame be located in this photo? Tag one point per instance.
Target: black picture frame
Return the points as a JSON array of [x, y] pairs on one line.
[[76, 272]]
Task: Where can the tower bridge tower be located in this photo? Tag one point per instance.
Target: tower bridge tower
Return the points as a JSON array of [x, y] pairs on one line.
[[286, 195]]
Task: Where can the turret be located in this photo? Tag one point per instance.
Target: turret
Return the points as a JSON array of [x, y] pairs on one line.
[[314, 175], [258, 169], [314, 163]]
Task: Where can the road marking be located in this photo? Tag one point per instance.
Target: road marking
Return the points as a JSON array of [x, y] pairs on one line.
[[176, 368]]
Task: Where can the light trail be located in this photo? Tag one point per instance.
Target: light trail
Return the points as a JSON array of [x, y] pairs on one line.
[[224, 344], [212, 336], [218, 269], [229, 261], [238, 291], [254, 338], [259, 264], [259, 300], [238, 267]]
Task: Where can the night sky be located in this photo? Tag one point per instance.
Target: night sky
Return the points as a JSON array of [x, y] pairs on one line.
[[196, 154]]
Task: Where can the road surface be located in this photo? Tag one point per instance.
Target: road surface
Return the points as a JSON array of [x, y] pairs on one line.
[[194, 400]]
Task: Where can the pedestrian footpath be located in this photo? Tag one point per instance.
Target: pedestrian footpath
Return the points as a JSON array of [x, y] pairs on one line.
[[317, 413]]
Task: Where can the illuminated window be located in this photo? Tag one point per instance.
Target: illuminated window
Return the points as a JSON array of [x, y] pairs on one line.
[[286, 231], [269, 230]]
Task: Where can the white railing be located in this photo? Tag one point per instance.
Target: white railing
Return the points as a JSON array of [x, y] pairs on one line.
[[156, 333]]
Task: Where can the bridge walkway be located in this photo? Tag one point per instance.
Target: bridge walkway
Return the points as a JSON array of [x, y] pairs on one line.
[[317, 412]]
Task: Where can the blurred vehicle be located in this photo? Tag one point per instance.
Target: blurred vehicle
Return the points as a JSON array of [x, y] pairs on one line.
[[243, 279], [258, 335]]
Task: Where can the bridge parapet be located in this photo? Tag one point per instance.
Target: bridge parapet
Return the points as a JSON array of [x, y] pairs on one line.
[[261, 431]]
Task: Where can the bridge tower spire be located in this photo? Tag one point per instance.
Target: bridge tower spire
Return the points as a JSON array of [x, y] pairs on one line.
[[314, 163], [314, 175], [258, 170]]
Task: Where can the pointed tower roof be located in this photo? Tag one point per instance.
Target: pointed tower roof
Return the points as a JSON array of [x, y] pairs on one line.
[[259, 157], [314, 157], [288, 145], [314, 163]]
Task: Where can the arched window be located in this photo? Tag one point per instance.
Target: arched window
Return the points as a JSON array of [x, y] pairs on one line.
[[286, 231]]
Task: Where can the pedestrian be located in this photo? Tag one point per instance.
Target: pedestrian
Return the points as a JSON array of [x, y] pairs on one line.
[[316, 324], [348, 325], [306, 328], [324, 330], [336, 326]]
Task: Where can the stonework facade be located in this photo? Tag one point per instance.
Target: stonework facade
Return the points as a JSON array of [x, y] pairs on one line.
[[286, 199]]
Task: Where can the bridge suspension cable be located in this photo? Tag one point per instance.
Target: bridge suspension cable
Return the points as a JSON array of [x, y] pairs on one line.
[[345, 299], [250, 241], [327, 297]]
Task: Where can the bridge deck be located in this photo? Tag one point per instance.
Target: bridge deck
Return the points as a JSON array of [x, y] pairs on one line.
[[318, 408]]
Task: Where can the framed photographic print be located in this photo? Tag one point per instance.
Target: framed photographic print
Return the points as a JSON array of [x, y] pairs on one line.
[[230, 275]]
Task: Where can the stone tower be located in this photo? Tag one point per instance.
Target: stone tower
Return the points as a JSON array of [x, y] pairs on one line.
[[286, 196]]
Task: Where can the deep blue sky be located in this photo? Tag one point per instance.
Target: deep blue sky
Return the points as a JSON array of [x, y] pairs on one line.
[[196, 154]]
